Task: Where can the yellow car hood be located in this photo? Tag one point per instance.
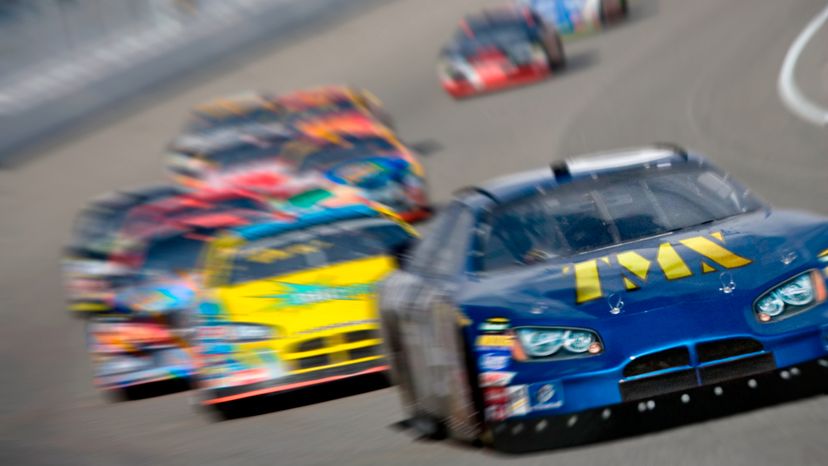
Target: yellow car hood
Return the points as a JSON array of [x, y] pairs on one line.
[[310, 301]]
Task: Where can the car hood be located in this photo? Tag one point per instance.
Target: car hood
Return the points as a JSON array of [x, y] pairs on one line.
[[311, 300], [687, 271]]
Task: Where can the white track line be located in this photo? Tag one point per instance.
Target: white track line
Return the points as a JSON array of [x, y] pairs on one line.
[[788, 90]]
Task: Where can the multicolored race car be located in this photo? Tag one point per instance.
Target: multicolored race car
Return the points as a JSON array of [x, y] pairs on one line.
[[497, 49], [254, 108], [287, 305], [89, 275], [578, 16], [556, 299], [142, 338], [230, 133], [273, 143]]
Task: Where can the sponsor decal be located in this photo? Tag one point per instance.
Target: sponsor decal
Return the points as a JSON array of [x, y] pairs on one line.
[[635, 268], [267, 256], [495, 379], [495, 396], [297, 294], [494, 341], [495, 413], [494, 324], [494, 361], [546, 395], [518, 403]]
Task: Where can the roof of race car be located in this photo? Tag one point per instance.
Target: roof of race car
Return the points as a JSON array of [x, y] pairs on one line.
[[248, 101], [496, 16], [321, 217], [219, 217], [510, 186]]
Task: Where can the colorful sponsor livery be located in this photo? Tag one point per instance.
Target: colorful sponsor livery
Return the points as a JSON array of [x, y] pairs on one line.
[[613, 282], [291, 304]]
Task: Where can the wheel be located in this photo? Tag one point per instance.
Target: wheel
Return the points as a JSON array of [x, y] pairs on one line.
[[613, 11], [556, 58], [227, 411]]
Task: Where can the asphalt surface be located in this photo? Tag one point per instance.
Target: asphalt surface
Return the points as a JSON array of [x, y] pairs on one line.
[[701, 73]]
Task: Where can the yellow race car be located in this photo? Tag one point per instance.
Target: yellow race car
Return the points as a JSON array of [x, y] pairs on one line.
[[291, 304]]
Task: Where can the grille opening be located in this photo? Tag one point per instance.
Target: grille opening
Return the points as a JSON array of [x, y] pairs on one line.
[[313, 361], [738, 368], [658, 385], [310, 345], [361, 335], [365, 352], [673, 357], [721, 349]]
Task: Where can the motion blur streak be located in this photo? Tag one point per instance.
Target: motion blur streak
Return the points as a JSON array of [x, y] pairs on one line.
[[701, 72]]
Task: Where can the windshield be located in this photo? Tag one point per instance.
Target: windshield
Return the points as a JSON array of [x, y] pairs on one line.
[[318, 247], [253, 152], [503, 36], [95, 228], [333, 154], [175, 254], [591, 214], [205, 121]]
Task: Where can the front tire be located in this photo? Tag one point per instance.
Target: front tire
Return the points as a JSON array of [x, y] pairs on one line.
[[555, 56], [613, 11]]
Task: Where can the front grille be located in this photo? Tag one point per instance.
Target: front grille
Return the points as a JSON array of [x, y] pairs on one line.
[[310, 345], [361, 335], [673, 357], [721, 349], [736, 369], [657, 385], [313, 361], [364, 352]]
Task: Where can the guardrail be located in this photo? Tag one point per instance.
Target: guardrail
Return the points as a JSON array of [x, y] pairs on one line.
[[69, 58]]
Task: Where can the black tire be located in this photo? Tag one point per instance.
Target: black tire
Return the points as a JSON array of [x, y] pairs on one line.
[[613, 11], [227, 411], [557, 62]]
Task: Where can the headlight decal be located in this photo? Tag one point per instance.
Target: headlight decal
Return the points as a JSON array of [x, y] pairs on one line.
[[549, 343], [795, 295]]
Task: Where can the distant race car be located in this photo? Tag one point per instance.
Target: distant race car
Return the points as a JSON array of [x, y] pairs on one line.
[[378, 165], [265, 108], [143, 336], [243, 142], [498, 49], [88, 273], [560, 298], [231, 133], [291, 304], [578, 16]]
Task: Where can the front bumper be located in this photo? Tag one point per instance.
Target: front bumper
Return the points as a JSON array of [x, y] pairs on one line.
[[293, 382], [519, 435], [459, 89], [601, 386], [156, 366]]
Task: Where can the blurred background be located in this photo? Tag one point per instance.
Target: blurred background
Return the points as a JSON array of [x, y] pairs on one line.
[[92, 92]]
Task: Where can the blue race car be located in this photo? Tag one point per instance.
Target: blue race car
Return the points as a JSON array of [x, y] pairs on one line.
[[578, 16], [608, 284]]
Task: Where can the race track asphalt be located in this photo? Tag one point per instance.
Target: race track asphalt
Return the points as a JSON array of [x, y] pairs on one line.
[[701, 73]]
